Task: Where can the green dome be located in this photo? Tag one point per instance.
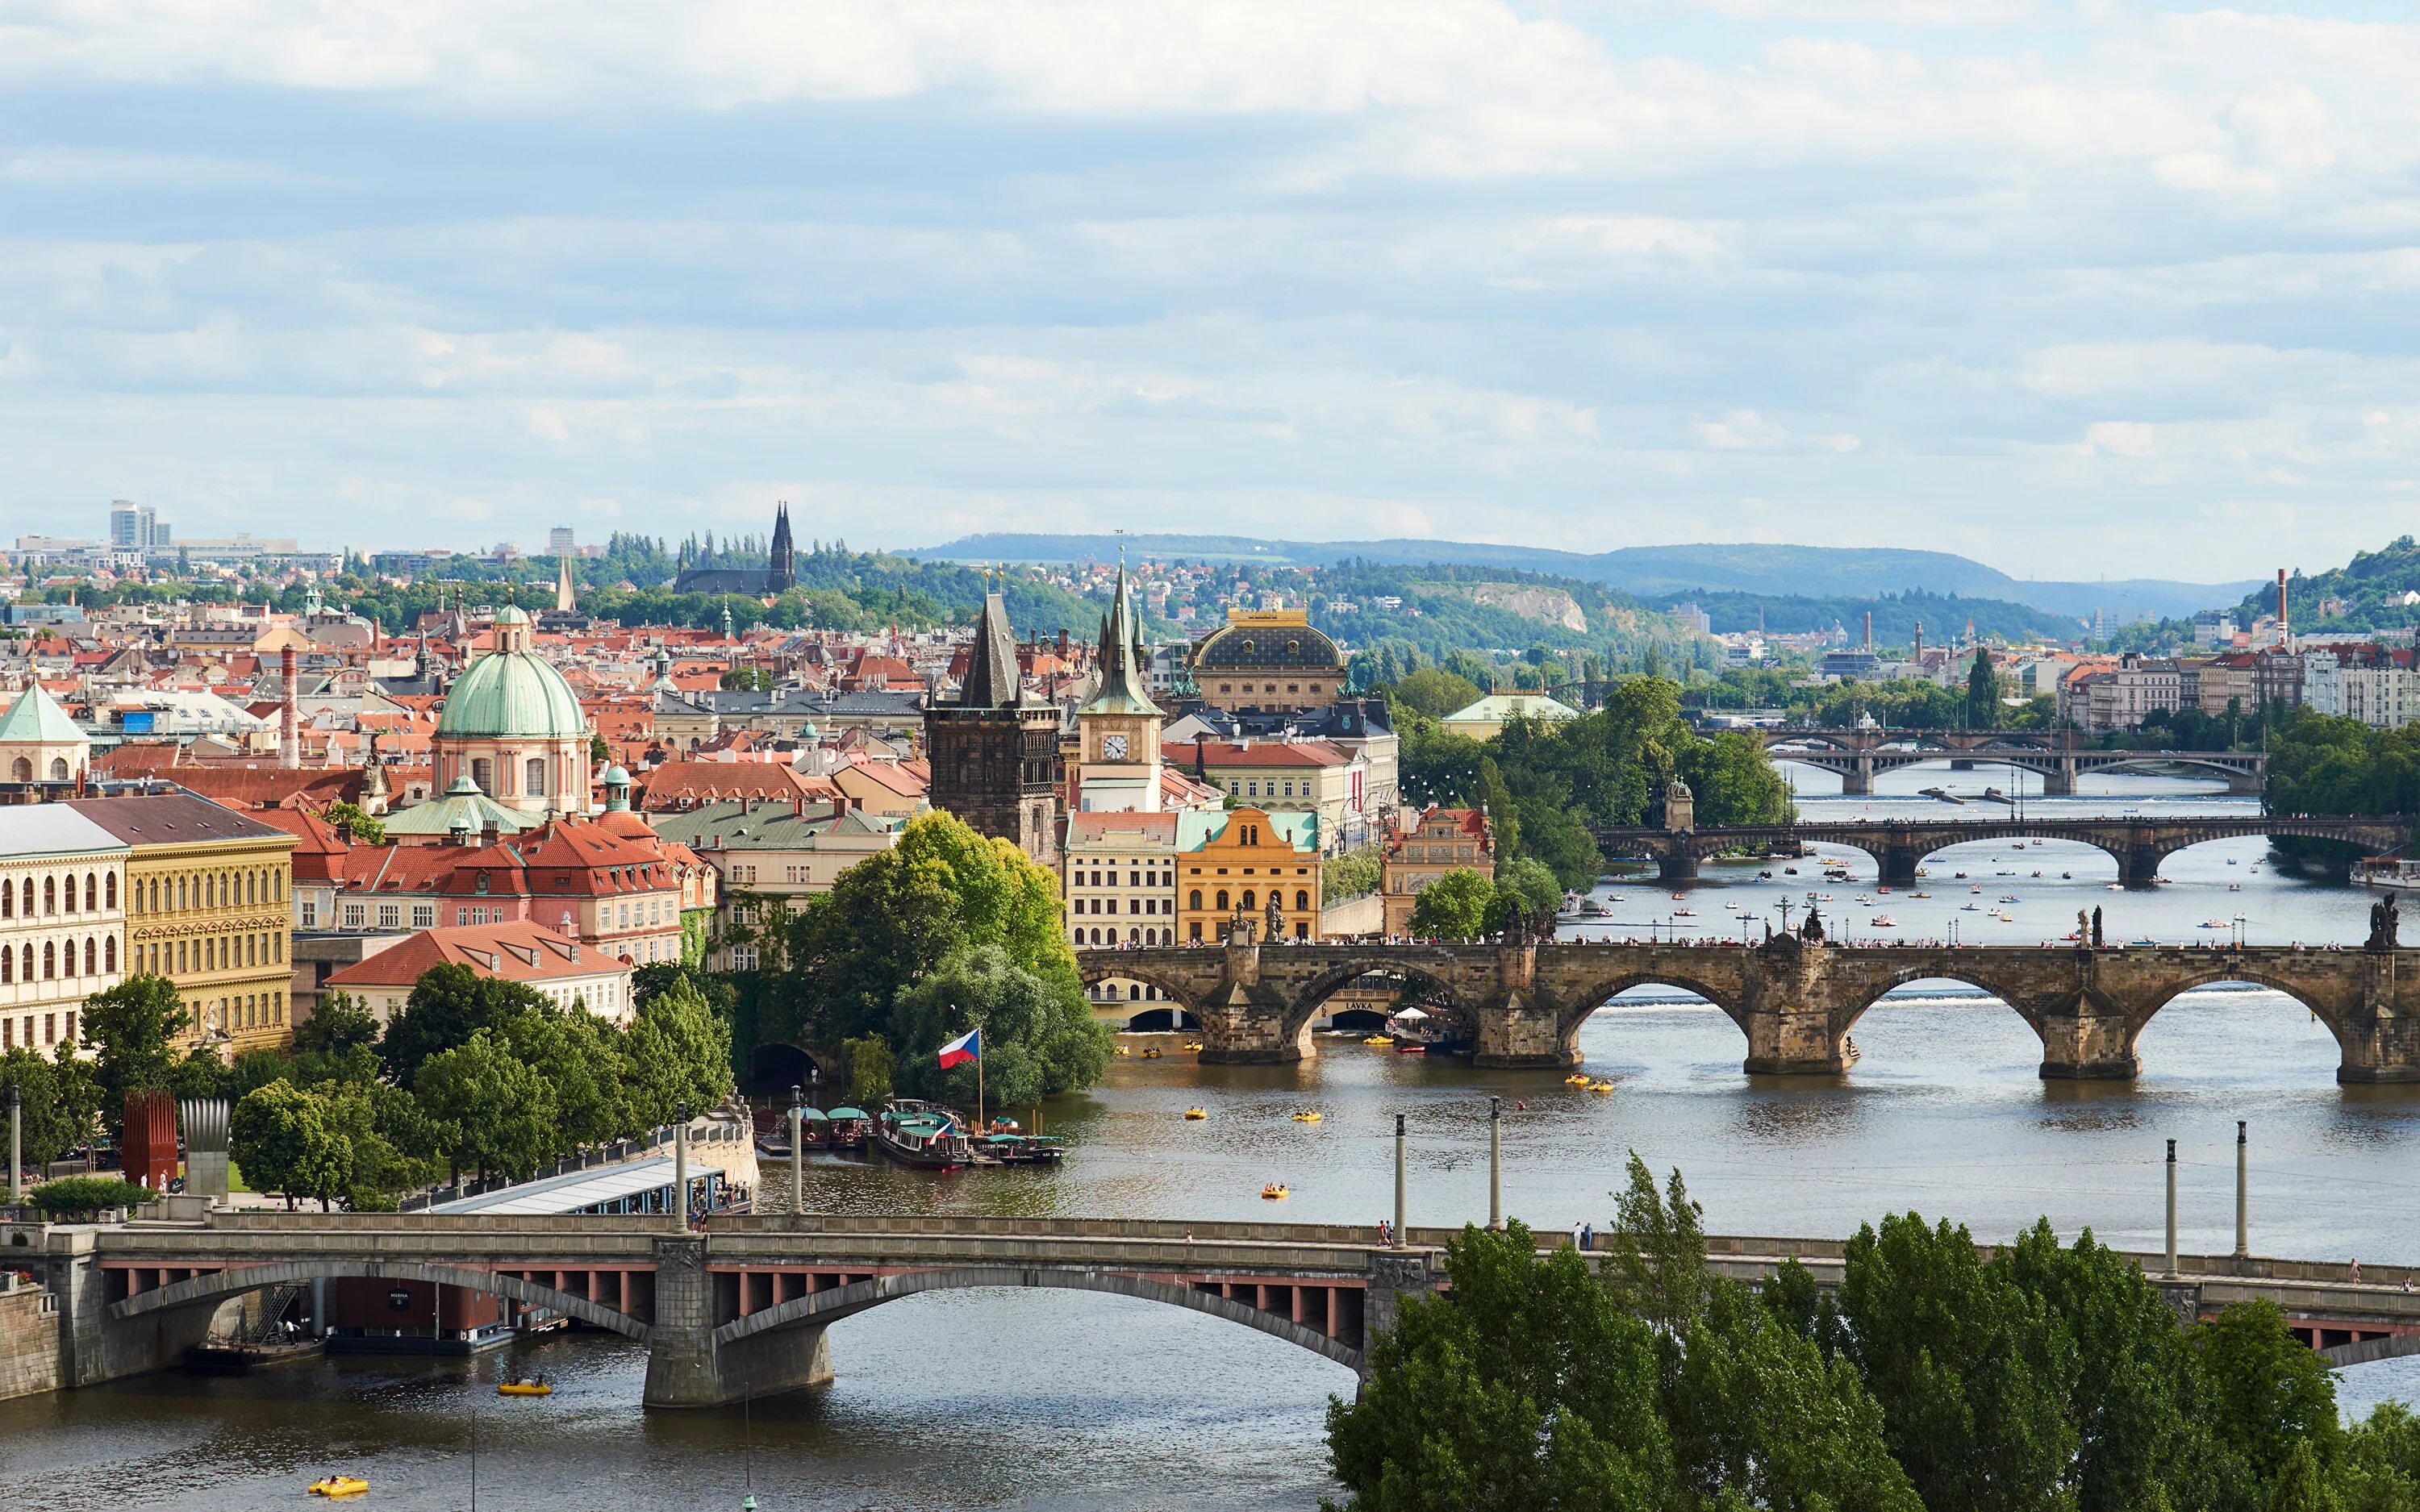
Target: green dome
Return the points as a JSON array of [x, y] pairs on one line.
[[512, 694]]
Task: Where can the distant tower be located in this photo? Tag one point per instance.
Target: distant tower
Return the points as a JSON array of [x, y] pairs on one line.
[[993, 750], [781, 571], [1919, 642], [562, 595]]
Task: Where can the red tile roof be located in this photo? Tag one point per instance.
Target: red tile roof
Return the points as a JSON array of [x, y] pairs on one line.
[[514, 951]]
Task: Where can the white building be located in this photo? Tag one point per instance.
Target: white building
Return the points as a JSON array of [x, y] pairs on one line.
[[62, 921]]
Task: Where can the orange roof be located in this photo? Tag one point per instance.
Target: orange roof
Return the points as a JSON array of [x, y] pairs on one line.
[[692, 782], [513, 951]]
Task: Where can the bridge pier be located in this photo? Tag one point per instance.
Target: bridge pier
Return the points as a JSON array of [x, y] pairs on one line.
[[1517, 1030], [1858, 776], [1898, 864], [2059, 781], [2084, 1035], [2140, 865], [685, 1368], [1678, 866]]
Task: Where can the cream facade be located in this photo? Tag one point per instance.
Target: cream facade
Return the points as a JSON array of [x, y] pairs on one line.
[[62, 923]]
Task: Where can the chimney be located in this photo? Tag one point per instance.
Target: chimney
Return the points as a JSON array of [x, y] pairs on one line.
[[1869, 629], [2283, 638], [289, 744], [488, 832], [1919, 644]]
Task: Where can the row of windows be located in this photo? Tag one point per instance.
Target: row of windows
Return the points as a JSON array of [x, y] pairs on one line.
[[1134, 879], [58, 958], [1134, 936], [1301, 899], [1245, 789], [22, 769], [20, 1031], [247, 887], [59, 894], [245, 1011], [533, 782], [1140, 906], [1274, 870], [1266, 687], [210, 952]]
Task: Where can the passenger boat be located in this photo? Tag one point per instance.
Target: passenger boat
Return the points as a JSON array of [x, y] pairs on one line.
[[1884, 921], [336, 1486], [849, 1129], [917, 1134], [1020, 1148]]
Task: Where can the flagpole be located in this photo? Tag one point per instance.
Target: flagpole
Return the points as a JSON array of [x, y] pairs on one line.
[[980, 1125]]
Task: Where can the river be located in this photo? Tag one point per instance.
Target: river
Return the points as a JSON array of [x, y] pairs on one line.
[[1035, 1401]]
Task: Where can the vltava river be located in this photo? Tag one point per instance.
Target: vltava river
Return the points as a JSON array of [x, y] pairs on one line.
[[1023, 1400]]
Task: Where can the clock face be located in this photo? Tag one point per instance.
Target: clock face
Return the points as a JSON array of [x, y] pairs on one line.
[[1113, 747]]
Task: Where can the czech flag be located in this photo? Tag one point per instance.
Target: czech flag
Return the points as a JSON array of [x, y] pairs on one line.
[[966, 1047]]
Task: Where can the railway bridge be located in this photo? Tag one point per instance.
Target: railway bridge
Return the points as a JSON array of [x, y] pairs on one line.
[[743, 1310], [1795, 999], [1899, 847], [2058, 755]]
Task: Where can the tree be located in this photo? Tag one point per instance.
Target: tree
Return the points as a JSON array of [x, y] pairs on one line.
[[1657, 1244], [754, 679], [2299, 1488], [54, 1116], [1983, 694], [288, 1141], [2382, 1465], [679, 1055], [588, 1065], [1434, 692], [448, 1004], [2269, 1391], [1528, 889], [1037, 1041], [495, 1114], [869, 1066], [1527, 1390], [1349, 874], [132, 1028], [1459, 906], [389, 1139], [202, 1074], [359, 822]]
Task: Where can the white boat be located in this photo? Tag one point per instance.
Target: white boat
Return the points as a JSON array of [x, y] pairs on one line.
[[2390, 876]]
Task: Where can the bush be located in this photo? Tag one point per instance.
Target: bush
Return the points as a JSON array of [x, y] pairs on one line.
[[81, 1196]]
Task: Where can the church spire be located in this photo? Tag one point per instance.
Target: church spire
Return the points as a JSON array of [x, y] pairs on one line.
[[1123, 688]]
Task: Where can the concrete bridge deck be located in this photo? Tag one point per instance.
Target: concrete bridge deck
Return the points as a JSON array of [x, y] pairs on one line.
[[1899, 847], [743, 1308], [1795, 1002], [2058, 755]]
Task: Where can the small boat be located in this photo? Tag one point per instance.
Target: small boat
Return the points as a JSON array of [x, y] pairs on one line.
[[1959, 875], [1275, 1190], [1379, 1040], [2117, 886], [531, 1387], [1152, 1053], [2235, 886], [1733, 907], [1685, 913], [2146, 942], [1919, 895], [1196, 1113], [2216, 923], [1789, 870], [2067, 876], [1193, 1044], [1307, 1115], [2006, 919], [1579, 1079], [1884, 921], [1013, 1148], [1972, 908], [336, 1486], [919, 1135], [2232, 862], [1882, 891], [850, 1128], [1600, 1086], [2012, 898], [1678, 895], [1863, 898], [1764, 876]]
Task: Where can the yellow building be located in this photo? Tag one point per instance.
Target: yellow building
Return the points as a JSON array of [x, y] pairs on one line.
[[206, 908], [1443, 841], [1251, 862]]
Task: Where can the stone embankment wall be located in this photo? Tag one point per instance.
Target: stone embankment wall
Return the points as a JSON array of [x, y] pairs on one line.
[[29, 1343]]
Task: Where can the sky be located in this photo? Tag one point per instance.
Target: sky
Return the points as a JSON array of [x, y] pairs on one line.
[[2075, 287]]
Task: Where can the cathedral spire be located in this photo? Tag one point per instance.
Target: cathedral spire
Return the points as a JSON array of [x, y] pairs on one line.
[[1123, 689]]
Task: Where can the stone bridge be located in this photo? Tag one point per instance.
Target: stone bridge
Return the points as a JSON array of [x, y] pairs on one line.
[[1900, 846], [1859, 755], [1523, 1005], [742, 1310]]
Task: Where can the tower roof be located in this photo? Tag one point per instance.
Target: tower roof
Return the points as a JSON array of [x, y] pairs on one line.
[[992, 681], [35, 720], [1123, 689]]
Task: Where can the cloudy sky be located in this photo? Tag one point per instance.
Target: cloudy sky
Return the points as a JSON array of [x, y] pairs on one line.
[[2073, 286]]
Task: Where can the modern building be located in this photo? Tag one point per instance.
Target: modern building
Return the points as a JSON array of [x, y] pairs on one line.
[[562, 541], [40, 746], [62, 926], [208, 907], [1439, 842], [1487, 718], [513, 726], [1243, 865], [137, 528], [1267, 661], [995, 749], [556, 966]]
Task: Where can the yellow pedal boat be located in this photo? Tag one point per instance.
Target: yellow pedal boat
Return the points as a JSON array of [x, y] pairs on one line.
[[1378, 1039], [1600, 1086], [1305, 1116], [1273, 1192], [336, 1486], [1196, 1113], [524, 1388]]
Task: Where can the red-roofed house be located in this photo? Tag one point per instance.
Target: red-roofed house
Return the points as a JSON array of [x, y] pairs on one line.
[[557, 967], [1439, 841]]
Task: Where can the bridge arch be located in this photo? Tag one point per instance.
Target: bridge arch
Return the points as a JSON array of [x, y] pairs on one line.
[[1096, 966], [217, 1285], [824, 1307], [1313, 994], [1845, 1018], [2226, 969], [1584, 1003]]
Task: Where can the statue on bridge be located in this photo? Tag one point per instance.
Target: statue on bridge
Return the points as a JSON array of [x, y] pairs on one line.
[[2096, 927], [1811, 931], [2385, 924]]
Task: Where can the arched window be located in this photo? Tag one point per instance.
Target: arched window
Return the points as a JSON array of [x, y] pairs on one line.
[[1301, 899], [49, 960], [7, 966], [1194, 899], [69, 893], [50, 895], [91, 892], [1248, 902], [533, 777], [91, 956], [483, 775], [1134, 936], [29, 897], [58, 768], [28, 972], [109, 891], [8, 900], [22, 770], [1222, 899], [109, 954]]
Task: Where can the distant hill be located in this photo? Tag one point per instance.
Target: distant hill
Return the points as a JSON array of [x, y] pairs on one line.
[[1656, 572], [2367, 593]]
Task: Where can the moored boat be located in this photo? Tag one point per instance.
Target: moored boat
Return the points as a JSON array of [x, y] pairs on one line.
[[849, 1128], [917, 1134]]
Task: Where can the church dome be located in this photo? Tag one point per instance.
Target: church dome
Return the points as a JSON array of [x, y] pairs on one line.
[[512, 693]]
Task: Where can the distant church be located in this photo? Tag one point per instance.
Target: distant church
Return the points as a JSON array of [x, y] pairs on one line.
[[756, 582]]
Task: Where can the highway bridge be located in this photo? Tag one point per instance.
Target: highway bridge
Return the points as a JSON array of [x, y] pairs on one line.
[[2058, 755], [743, 1310]]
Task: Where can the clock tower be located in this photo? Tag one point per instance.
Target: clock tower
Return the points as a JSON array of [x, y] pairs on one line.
[[1120, 727]]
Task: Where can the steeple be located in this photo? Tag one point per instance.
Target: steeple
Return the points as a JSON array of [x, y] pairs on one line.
[[992, 681], [1122, 688], [782, 569], [563, 591]]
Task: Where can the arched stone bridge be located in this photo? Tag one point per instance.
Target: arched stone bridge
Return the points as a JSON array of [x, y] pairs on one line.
[[1900, 846], [742, 1310], [1859, 755], [1523, 1005]]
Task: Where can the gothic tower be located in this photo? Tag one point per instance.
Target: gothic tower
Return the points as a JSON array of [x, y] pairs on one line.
[[1120, 725], [993, 749], [781, 571]]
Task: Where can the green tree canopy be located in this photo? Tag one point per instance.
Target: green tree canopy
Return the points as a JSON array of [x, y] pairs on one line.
[[1459, 906], [289, 1140], [495, 1114], [679, 1057], [132, 1029], [448, 1004], [57, 1098], [1434, 692], [1037, 1039]]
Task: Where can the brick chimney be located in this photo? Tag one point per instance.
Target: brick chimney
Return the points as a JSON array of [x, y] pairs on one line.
[[289, 741]]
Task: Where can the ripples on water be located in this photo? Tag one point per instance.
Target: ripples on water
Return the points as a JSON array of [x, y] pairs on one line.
[[1037, 1400]]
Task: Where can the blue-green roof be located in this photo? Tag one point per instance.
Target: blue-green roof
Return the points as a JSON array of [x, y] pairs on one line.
[[1196, 828], [512, 693], [463, 807], [35, 718]]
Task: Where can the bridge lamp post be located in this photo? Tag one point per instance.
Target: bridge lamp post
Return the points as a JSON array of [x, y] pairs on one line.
[[16, 1132], [798, 1156], [1496, 1164], [1400, 1240], [680, 1167], [2243, 1196], [2172, 1206]]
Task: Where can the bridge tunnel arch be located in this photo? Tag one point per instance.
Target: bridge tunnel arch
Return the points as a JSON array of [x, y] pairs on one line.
[[200, 1295], [2002, 1032], [1133, 993], [2202, 1025], [1605, 994]]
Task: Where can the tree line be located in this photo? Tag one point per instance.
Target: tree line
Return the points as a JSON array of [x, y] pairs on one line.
[[472, 1073], [2046, 1378]]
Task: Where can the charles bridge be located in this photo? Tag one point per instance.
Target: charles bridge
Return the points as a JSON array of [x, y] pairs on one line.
[[743, 1310], [1899, 847], [1522, 1004], [2058, 755]]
